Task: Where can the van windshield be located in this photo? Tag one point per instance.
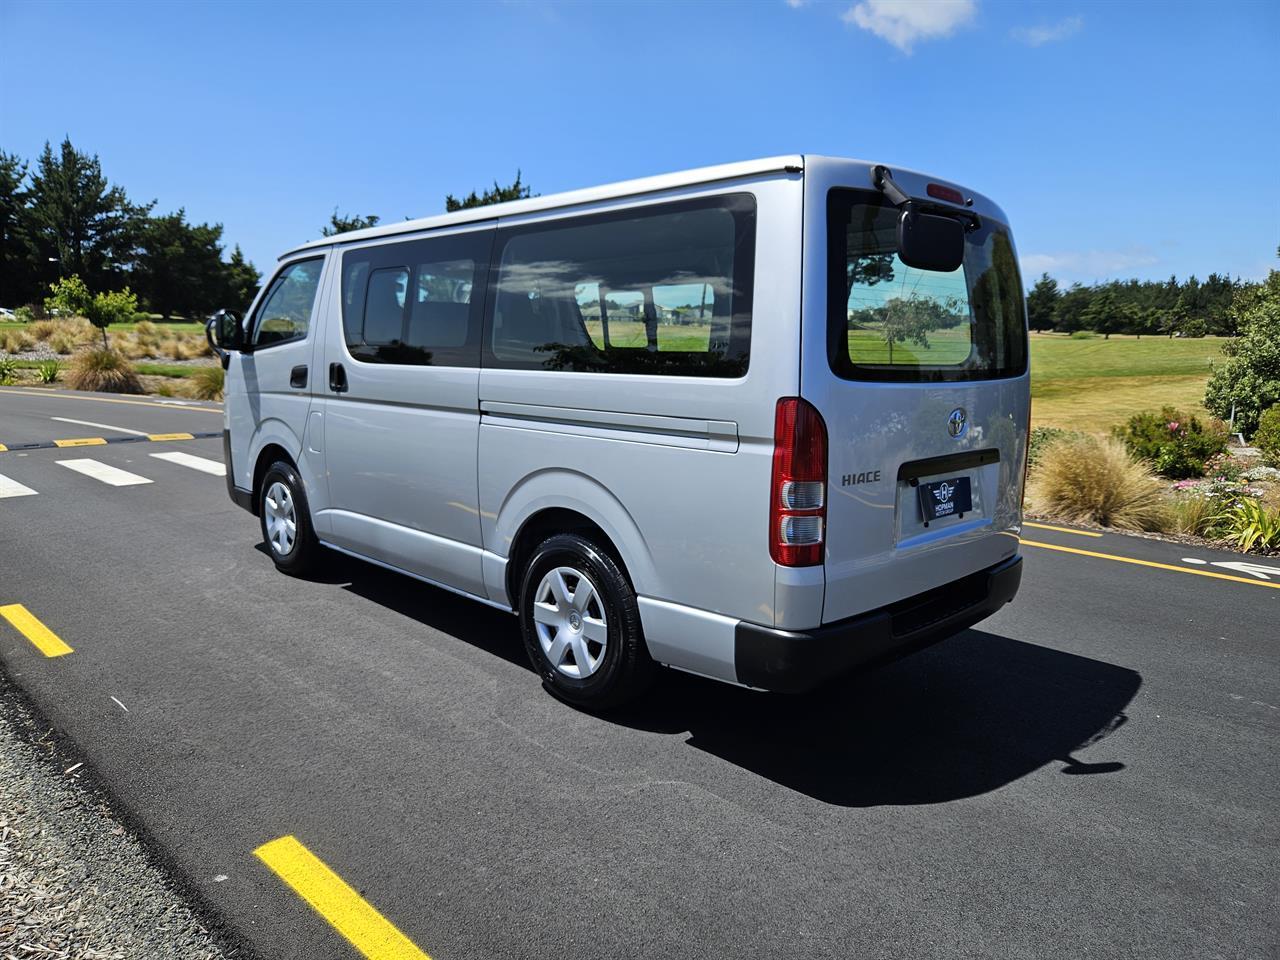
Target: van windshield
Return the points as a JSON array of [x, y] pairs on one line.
[[888, 321]]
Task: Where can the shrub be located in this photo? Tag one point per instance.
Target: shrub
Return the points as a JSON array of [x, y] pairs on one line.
[[1248, 524], [1267, 437], [1248, 381], [41, 329], [1042, 438], [8, 370], [17, 341], [142, 318], [1083, 335], [1097, 480], [206, 383], [1177, 445], [1194, 513], [104, 370], [48, 371], [69, 297], [25, 313]]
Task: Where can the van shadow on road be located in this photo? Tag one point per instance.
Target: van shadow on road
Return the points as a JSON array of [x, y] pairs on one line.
[[965, 717]]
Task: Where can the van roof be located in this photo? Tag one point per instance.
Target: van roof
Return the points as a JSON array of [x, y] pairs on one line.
[[668, 181]]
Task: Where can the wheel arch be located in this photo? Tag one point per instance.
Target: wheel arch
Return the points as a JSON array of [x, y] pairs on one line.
[[563, 501]]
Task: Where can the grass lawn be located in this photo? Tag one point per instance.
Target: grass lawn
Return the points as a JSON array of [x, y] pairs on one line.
[[1093, 384]]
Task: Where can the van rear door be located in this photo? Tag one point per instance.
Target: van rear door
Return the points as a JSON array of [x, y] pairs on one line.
[[921, 377]]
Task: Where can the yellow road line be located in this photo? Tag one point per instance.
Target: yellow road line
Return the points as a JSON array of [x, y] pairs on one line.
[[3, 448], [1151, 563], [330, 896], [136, 403], [81, 442], [26, 623], [1045, 526], [170, 436]]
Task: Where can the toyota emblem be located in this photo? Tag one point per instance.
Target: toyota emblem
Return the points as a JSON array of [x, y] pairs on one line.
[[957, 423]]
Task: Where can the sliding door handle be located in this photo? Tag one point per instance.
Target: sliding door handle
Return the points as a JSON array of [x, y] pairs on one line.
[[337, 378]]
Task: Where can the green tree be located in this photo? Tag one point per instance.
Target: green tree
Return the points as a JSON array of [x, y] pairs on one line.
[[180, 268], [914, 318], [1069, 309], [340, 224], [1102, 314], [69, 297], [117, 306], [1249, 379], [515, 191], [1041, 302], [78, 222], [15, 255], [241, 281]]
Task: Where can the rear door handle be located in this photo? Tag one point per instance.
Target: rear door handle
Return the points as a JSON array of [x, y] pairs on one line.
[[298, 376], [337, 378]]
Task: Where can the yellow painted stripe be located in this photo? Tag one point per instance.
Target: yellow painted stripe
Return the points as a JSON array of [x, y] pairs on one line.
[[26, 623], [28, 391], [3, 448], [329, 895], [1151, 563], [170, 436], [1045, 526], [81, 442]]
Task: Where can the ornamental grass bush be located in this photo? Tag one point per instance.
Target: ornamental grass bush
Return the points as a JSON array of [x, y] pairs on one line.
[[207, 382], [1096, 480], [103, 370]]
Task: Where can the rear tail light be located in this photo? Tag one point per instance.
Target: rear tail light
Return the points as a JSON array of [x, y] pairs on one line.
[[798, 498]]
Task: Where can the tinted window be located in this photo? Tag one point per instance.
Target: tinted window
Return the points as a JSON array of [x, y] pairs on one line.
[[663, 289], [286, 309], [414, 302], [888, 321]]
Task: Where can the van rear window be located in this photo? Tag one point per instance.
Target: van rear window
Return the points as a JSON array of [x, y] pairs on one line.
[[662, 289], [888, 321]]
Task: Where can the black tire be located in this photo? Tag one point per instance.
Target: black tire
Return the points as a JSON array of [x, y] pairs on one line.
[[624, 670], [303, 553]]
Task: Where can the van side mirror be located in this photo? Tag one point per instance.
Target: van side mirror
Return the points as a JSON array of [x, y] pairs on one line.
[[224, 332], [930, 242]]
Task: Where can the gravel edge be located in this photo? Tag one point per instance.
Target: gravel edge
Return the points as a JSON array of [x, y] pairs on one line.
[[74, 881]]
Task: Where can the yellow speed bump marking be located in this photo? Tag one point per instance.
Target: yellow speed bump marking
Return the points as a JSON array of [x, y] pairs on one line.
[[27, 624], [3, 448], [329, 895], [1045, 526], [170, 436], [1150, 563], [82, 442]]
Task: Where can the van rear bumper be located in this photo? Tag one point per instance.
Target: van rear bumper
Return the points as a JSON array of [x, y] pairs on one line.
[[790, 661]]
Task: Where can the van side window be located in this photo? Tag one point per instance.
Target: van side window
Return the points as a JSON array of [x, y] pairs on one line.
[[285, 312], [662, 289], [413, 303]]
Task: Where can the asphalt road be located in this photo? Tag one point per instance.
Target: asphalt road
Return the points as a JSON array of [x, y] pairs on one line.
[[1090, 773]]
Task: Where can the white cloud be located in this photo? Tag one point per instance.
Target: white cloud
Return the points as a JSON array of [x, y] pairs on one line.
[[1086, 263], [1051, 33], [904, 22], [796, 4]]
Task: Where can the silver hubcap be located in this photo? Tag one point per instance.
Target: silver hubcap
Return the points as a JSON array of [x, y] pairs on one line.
[[282, 520], [570, 621]]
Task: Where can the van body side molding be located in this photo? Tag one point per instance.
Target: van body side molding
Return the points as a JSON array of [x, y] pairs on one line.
[[719, 435]]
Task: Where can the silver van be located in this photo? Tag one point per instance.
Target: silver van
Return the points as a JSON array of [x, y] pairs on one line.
[[761, 422]]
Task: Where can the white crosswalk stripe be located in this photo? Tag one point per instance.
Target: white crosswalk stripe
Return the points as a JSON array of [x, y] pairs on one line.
[[12, 488], [104, 472], [195, 463]]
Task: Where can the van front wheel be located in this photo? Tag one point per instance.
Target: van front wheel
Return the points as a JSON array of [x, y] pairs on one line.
[[286, 520], [581, 624]]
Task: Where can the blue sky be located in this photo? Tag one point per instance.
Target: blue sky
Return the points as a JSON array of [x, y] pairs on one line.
[[1123, 139]]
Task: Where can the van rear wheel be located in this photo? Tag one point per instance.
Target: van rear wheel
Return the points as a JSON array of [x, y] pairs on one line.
[[581, 624]]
